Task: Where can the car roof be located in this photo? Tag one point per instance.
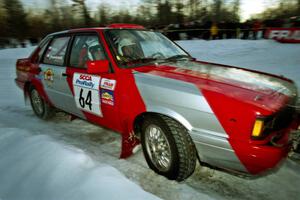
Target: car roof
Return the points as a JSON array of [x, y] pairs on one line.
[[111, 26]]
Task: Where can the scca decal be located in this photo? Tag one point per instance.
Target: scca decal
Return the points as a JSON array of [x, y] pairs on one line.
[[84, 80], [107, 97], [108, 84], [85, 77]]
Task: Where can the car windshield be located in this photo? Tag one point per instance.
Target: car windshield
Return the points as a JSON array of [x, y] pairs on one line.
[[134, 47]]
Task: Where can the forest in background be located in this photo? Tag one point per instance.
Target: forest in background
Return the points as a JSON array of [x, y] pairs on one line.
[[20, 23]]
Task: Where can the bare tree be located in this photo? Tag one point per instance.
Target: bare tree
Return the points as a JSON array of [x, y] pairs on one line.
[[84, 11], [3, 20], [144, 15], [16, 19], [179, 11], [236, 9], [164, 13], [217, 6]]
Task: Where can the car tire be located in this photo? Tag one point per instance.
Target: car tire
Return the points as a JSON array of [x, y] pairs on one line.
[[168, 147], [39, 106]]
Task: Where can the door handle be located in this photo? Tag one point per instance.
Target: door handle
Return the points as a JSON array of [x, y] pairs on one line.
[[65, 74]]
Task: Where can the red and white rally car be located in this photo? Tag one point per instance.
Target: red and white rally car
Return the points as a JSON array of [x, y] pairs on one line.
[[142, 85]]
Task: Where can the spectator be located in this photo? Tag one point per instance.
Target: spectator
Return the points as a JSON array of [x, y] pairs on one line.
[[214, 31], [256, 28]]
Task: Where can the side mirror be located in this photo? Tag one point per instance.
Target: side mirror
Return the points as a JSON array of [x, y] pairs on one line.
[[97, 66]]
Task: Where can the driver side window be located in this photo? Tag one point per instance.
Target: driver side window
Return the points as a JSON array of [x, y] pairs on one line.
[[84, 48]]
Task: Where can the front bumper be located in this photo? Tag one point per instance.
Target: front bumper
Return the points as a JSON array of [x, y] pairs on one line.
[[277, 147], [241, 157], [259, 158], [250, 157]]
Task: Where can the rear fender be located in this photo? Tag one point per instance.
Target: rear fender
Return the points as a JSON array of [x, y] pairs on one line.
[[37, 84]]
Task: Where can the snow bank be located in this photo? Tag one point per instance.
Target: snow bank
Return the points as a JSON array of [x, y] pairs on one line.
[[16, 53], [36, 167]]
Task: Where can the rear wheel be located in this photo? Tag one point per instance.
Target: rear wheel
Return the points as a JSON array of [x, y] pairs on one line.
[[168, 147], [39, 106]]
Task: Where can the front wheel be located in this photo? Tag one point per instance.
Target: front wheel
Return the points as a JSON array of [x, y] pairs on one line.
[[168, 147], [39, 106]]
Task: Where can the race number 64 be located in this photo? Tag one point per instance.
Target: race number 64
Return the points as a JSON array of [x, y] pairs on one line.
[[85, 100]]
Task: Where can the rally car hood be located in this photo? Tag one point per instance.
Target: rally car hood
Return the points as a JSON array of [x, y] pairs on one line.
[[260, 89]]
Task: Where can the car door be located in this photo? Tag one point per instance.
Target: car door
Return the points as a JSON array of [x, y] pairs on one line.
[[54, 79], [93, 94]]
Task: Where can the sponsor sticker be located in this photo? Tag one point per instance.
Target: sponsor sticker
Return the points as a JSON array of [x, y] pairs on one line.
[[285, 34], [108, 84], [107, 97], [48, 75], [288, 35]]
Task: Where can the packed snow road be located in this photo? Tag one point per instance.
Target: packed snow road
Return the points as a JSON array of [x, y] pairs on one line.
[[63, 159]]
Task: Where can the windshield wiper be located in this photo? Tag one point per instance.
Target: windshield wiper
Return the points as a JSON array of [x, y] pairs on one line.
[[177, 57], [140, 60]]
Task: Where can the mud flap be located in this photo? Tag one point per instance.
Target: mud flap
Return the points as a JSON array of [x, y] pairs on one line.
[[295, 153], [26, 96], [297, 133], [129, 142], [297, 142], [73, 117]]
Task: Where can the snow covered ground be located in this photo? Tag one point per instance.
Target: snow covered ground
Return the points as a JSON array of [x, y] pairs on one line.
[[63, 159]]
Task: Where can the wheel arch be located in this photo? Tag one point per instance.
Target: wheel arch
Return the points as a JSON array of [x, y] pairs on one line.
[[160, 111], [37, 84]]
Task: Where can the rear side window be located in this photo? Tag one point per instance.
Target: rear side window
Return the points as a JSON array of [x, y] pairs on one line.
[[84, 48], [40, 54], [37, 55], [56, 51]]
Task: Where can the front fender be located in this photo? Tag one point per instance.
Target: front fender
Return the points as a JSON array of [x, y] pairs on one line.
[[170, 113]]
